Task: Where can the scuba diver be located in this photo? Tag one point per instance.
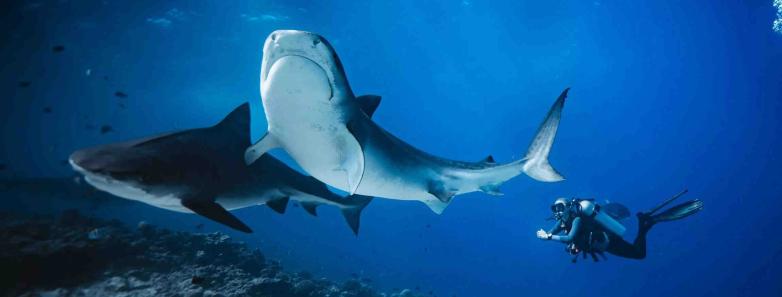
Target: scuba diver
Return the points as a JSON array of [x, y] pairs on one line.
[[592, 229]]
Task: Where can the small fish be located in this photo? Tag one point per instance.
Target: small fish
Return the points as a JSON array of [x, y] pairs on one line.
[[121, 94], [25, 83], [105, 77], [106, 129], [58, 48], [97, 234], [199, 227], [47, 109], [3, 166]]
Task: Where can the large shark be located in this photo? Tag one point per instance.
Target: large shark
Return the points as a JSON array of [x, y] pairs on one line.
[[314, 116], [202, 171]]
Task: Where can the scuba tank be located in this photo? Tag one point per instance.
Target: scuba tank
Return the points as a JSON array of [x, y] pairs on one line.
[[590, 209]]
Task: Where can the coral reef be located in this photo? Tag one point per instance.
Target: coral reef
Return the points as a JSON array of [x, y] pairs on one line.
[[73, 255]]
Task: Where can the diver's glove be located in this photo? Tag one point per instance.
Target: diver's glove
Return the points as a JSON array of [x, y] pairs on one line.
[[543, 235]]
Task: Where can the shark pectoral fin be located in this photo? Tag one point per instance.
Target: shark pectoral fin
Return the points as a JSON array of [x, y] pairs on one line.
[[352, 160], [215, 212], [352, 211], [278, 205], [255, 151], [492, 189], [438, 190], [435, 205], [310, 207], [368, 104], [536, 163]]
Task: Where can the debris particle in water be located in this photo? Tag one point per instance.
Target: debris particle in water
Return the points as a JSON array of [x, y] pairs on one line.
[[106, 129], [58, 48], [121, 94], [24, 84]]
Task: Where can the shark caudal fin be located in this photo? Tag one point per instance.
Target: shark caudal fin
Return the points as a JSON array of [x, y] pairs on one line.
[[536, 163]]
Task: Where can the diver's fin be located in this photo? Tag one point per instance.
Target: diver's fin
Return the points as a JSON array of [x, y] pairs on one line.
[[352, 212], [679, 211], [215, 212], [255, 151], [489, 159], [278, 205], [492, 189], [352, 160], [666, 202], [310, 207], [435, 205], [536, 163], [368, 104], [438, 190]]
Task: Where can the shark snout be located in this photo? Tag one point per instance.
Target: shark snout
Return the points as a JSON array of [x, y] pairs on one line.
[[99, 160], [294, 39], [89, 160]]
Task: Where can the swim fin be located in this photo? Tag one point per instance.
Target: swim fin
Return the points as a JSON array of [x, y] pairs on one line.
[[679, 211]]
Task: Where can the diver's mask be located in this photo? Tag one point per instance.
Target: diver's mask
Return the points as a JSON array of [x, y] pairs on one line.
[[561, 209]]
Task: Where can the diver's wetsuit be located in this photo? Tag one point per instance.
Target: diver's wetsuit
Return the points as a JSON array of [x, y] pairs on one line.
[[616, 244]]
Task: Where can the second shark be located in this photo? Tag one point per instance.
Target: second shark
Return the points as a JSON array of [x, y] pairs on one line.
[[202, 171]]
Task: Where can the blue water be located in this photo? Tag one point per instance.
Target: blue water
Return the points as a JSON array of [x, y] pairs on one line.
[[666, 95]]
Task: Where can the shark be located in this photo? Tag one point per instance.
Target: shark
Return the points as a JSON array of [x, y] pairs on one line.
[[202, 171], [313, 115]]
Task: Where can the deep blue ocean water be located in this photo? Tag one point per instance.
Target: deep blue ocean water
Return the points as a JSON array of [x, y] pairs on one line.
[[665, 95]]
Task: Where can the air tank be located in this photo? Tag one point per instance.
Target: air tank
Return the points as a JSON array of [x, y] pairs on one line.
[[590, 209]]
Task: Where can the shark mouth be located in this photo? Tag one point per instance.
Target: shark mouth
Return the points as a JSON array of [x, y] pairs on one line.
[[299, 75], [106, 183]]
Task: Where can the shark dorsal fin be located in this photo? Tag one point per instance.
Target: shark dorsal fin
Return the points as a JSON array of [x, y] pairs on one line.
[[368, 104], [238, 120], [489, 159]]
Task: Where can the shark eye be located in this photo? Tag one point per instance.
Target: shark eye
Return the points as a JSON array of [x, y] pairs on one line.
[[315, 42]]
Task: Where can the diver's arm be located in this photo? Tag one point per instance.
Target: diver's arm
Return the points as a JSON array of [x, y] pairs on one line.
[[572, 234], [556, 229]]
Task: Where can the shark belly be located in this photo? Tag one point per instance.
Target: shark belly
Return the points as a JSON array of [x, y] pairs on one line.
[[388, 171]]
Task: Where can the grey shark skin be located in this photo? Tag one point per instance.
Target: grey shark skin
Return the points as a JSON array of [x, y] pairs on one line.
[[202, 171], [314, 116]]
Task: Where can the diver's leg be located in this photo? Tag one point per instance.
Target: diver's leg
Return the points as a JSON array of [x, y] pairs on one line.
[[637, 250]]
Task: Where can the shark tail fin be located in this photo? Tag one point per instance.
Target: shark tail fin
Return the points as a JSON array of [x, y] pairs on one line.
[[535, 163], [352, 210]]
